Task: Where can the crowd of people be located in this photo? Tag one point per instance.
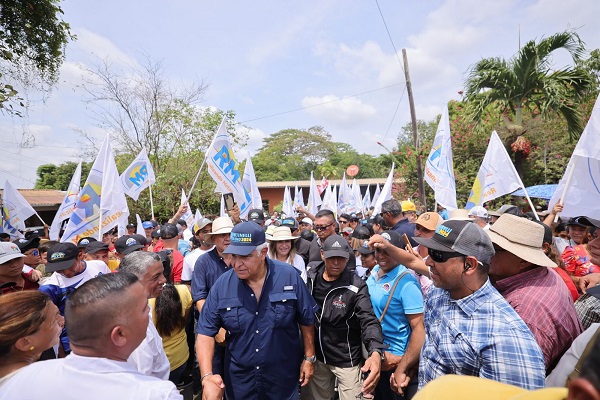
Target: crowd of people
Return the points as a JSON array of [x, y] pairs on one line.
[[399, 305]]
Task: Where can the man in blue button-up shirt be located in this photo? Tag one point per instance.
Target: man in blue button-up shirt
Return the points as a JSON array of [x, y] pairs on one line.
[[261, 304]]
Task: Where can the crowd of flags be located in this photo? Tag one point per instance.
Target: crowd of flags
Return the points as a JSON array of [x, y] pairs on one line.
[[100, 204]]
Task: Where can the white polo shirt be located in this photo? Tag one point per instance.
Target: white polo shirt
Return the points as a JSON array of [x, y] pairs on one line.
[[89, 378], [189, 262], [149, 357]]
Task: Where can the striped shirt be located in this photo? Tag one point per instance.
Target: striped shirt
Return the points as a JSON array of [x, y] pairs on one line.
[[479, 335]]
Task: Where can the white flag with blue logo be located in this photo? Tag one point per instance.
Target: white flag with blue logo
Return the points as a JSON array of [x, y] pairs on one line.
[[138, 176], [251, 186], [68, 204], [15, 211]]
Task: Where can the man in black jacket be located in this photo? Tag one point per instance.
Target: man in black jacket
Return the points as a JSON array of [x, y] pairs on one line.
[[345, 320]]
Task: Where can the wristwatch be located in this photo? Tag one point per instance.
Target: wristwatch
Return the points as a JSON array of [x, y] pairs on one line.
[[381, 353], [311, 359]]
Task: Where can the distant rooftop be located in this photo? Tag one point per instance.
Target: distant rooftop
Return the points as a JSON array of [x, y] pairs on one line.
[[41, 197], [283, 184]]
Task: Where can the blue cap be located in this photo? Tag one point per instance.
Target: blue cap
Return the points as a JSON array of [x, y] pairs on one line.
[[244, 238], [147, 224]]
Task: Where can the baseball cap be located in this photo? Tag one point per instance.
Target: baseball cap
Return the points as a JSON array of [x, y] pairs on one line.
[[181, 222], [347, 231], [256, 215], [584, 221], [336, 246], [306, 220], [506, 208], [169, 231], [155, 234], [462, 237], [478, 211], [26, 244], [140, 238], [85, 241], [9, 251], [361, 232], [291, 223], [95, 247], [130, 226], [127, 244], [408, 206], [61, 256], [365, 249], [147, 224], [394, 238], [244, 238], [429, 220], [201, 224]]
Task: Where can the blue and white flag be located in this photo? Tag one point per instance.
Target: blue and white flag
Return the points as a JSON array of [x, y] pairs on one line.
[[439, 169], [138, 176], [101, 199], [386, 192], [288, 204], [582, 194], [251, 186], [15, 211], [68, 204], [298, 197], [224, 169], [367, 198]]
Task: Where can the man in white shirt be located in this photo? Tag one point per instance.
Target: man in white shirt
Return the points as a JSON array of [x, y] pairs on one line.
[[149, 357], [103, 334], [200, 228]]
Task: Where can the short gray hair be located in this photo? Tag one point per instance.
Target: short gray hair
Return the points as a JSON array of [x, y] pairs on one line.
[[138, 262], [392, 206], [260, 247]]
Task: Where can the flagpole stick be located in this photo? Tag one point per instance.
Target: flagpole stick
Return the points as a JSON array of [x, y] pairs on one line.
[[567, 184], [196, 179], [531, 204], [151, 202], [100, 227], [38, 215]]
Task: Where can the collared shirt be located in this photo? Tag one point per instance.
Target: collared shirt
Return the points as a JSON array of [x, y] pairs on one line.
[[479, 335], [149, 357], [543, 301], [404, 226], [90, 378], [407, 299], [12, 287], [209, 267], [264, 349], [588, 309], [189, 262]]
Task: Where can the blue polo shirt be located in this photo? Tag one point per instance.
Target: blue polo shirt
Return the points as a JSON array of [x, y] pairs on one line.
[[264, 346], [208, 268], [404, 226], [407, 299]]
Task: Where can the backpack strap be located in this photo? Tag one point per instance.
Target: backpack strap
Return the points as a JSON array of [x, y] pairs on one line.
[[391, 295]]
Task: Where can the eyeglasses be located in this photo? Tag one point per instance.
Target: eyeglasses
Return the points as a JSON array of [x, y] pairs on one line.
[[322, 228], [342, 221], [443, 256]]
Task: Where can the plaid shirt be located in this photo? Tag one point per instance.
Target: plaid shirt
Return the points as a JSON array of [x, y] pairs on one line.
[[541, 298], [588, 310], [479, 335]]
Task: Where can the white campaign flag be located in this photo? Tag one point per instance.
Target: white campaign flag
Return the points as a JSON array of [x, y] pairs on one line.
[[139, 229], [346, 203], [376, 195], [330, 199], [250, 185], [222, 211], [198, 216], [386, 192], [367, 199], [16, 210], [138, 176], [583, 190], [188, 216], [314, 197], [497, 175], [439, 169], [101, 199], [224, 169], [288, 204], [357, 197], [298, 197], [68, 204]]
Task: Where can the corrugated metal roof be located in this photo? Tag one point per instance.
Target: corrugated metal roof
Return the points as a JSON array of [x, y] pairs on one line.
[[283, 184], [41, 197]]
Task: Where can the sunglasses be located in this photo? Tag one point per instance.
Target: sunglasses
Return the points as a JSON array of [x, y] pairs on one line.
[[342, 221], [443, 256], [34, 253], [322, 228]]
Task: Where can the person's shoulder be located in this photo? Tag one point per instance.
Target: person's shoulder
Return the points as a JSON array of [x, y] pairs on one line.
[[97, 267]]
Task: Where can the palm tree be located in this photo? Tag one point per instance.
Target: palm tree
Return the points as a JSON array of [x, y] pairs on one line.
[[528, 81]]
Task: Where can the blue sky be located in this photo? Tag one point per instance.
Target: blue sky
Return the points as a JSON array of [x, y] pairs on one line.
[[267, 57]]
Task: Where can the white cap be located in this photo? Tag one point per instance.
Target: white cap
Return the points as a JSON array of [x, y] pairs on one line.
[[478, 211], [306, 220]]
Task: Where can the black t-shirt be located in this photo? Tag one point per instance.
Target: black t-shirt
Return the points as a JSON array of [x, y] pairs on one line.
[[320, 289]]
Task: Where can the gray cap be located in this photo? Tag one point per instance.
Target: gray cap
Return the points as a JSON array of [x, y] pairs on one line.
[[336, 246], [462, 237]]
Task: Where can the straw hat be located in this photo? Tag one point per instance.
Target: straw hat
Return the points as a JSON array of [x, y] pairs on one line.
[[521, 237], [220, 225], [460, 214], [269, 232], [282, 233]]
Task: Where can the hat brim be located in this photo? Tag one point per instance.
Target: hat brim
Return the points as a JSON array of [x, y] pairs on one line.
[[587, 221], [239, 250], [220, 231], [530, 254], [336, 253], [281, 238], [432, 244], [129, 249], [60, 265], [9, 257], [365, 251]]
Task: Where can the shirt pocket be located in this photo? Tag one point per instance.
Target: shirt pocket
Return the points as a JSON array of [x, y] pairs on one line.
[[230, 311], [283, 307]]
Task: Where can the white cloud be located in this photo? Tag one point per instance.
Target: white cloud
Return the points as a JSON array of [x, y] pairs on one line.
[[102, 48], [334, 110]]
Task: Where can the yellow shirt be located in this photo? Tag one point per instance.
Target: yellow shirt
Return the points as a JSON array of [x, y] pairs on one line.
[[450, 387], [175, 345]]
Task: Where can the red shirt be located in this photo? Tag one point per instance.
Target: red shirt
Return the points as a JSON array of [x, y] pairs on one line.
[[177, 267], [568, 281], [27, 285], [543, 301]]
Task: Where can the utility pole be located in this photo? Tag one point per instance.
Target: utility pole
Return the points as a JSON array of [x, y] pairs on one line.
[[413, 118]]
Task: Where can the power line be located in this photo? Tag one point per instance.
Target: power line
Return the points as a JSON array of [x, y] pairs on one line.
[[17, 176]]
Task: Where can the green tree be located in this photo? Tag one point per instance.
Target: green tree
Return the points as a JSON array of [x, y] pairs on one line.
[[33, 38], [58, 177]]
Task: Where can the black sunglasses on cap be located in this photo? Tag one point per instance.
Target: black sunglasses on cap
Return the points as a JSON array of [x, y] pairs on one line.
[[443, 256]]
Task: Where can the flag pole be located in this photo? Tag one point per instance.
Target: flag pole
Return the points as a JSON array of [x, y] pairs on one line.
[[100, 227], [531, 204], [567, 184], [151, 202], [196, 178], [38, 215]]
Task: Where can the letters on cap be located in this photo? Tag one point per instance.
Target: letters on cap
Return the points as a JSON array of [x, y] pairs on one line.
[[131, 242], [59, 255]]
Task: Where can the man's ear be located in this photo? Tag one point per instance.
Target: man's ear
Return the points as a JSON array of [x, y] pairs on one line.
[[118, 336], [582, 389], [323, 255]]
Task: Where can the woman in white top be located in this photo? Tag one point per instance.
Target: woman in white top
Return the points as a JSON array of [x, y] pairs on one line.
[[282, 249]]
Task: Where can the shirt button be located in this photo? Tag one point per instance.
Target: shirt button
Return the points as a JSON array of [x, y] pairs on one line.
[[257, 331], [257, 367], [252, 295], [257, 350], [257, 313]]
